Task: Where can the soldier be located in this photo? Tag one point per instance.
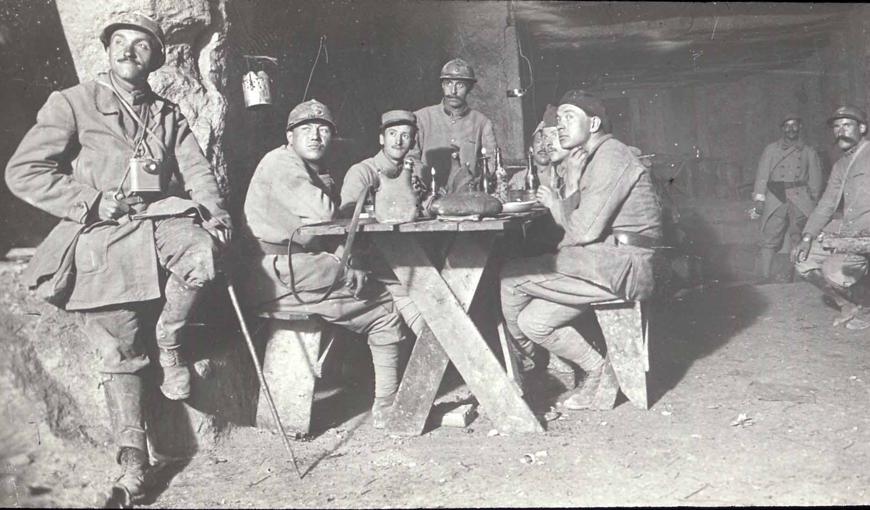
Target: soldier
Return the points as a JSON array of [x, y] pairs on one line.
[[398, 129], [91, 161], [606, 252], [836, 274], [540, 160], [452, 126], [291, 188], [787, 185]]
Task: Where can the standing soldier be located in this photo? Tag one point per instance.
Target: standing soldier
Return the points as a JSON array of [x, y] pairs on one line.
[[787, 185], [101, 157], [452, 126], [837, 273]]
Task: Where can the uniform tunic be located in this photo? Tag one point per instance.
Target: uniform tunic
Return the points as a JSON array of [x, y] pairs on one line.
[[361, 176], [79, 148], [849, 182], [789, 163], [437, 131], [283, 195], [615, 193]]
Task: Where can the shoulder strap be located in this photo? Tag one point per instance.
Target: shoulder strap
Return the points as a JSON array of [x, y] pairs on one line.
[[138, 120]]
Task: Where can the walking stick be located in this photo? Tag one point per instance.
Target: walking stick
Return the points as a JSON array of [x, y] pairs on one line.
[[232, 292]]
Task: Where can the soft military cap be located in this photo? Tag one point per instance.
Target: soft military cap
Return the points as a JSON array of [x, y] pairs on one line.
[[393, 117], [457, 69], [591, 105], [308, 111], [538, 128], [848, 112], [137, 21], [790, 116]]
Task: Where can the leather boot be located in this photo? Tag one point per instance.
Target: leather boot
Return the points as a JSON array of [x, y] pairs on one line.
[[842, 297], [180, 302], [129, 488], [176, 375], [124, 401], [568, 343]]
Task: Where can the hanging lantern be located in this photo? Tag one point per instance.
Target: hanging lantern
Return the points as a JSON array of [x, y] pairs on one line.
[[256, 86]]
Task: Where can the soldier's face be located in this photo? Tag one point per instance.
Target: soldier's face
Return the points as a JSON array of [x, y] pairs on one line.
[[131, 54], [554, 148], [847, 132], [310, 140], [455, 92], [791, 129], [397, 140], [575, 127], [539, 149]]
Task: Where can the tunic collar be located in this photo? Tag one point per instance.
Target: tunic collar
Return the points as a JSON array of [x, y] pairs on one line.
[[458, 114], [106, 103], [382, 162], [785, 144], [594, 148]]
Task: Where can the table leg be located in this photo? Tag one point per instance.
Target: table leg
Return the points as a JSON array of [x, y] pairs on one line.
[[428, 361], [446, 315]]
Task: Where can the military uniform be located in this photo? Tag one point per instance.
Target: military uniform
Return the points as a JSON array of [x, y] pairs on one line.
[[284, 194], [78, 149], [440, 132], [789, 180], [849, 182], [599, 258]]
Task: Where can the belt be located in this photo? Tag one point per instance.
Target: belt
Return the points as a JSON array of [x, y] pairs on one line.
[[789, 185], [267, 248], [638, 240]]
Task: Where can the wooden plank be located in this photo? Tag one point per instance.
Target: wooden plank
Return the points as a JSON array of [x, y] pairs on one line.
[[290, 369], [428, 361], [458, 335], [623, 330]]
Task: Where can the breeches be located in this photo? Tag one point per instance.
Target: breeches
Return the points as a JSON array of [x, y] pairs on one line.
[[188, 253], [535, 302], [786, 218], [842, 269]]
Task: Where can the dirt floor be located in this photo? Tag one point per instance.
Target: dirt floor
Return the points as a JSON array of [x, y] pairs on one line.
[[756, 399]]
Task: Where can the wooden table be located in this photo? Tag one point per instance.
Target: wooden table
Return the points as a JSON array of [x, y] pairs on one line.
[[443, 299]]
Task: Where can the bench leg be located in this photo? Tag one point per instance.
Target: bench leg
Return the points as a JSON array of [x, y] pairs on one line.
[[624, 328], [290, 369]]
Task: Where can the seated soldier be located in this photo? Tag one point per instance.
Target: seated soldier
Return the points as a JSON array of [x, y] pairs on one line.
[[837, 273], [606, 252], [398, 130], [291, 188]]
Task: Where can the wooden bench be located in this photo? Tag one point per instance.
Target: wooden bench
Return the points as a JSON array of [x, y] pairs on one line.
[[291, 365], [625, 325]]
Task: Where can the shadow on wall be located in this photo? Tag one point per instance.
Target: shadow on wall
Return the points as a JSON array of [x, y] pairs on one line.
[[34, 61]]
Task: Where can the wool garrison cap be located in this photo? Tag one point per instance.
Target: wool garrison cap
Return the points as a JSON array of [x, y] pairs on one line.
[[393, 117]]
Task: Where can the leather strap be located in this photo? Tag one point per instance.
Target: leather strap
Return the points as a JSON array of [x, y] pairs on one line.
[[638, 240]]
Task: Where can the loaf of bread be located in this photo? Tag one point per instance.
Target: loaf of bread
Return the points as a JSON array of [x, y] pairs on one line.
[[466, 203]]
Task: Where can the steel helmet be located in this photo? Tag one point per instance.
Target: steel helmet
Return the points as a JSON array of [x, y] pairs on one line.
[[457, 69], [308, 111], [138, 21]]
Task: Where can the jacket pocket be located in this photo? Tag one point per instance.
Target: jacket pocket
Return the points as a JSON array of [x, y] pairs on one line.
[[92, 250]]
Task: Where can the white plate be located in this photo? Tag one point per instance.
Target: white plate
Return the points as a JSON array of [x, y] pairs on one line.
[[515, 207]]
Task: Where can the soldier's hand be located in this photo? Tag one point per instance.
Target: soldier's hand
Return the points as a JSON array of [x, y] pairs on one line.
[[355, 280], [759, 207], [802, 250], [111, 209]]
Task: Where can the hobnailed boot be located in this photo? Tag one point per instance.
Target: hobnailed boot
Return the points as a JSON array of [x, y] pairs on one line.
[[568, 343], [842, 297], [176, 375], [129, 488], [124, 401], [181, 299]]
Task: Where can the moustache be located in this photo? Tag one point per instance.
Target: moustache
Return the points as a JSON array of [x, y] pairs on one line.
[[846, 139]]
